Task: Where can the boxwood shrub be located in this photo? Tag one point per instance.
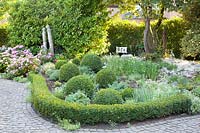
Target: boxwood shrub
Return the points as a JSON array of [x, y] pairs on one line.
[[105, 77], [68, 71], [80, 82], [76, 61], [108, 96], [127, 93], [50, 106], [92, 61], [60, 63]]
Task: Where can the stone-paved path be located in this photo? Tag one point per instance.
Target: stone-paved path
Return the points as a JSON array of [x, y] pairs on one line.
[[17, 116]]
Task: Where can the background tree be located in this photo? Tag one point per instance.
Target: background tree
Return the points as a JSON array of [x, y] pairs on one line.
[[190, 44], [5, 6], [78, 26], [151, 9]]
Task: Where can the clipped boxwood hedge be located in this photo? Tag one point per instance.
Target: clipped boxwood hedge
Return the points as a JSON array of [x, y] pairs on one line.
[[50, 106], [130, 34]]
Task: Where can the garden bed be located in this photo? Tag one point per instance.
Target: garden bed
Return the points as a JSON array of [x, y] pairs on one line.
[[50, 106]]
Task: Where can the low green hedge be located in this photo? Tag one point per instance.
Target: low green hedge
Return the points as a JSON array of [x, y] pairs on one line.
[[52, 107]]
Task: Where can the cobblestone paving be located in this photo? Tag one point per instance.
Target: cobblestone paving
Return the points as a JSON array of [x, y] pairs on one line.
[[17, 116]]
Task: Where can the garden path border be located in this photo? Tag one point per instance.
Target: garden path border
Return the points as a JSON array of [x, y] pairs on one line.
[[17, 116]]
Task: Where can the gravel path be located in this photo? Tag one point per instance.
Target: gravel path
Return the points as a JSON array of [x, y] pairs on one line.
[[17, 116]]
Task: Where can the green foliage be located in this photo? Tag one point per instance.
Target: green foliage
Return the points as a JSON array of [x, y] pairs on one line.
[[5, 6], [191, 14], [86, 70], [196, 80], [130, 35], [120, 67], [59, 92], [195, 100], [151, 56], [78, 97], [80, 26], [176, 29], [3, 35], [76, 61], [92, 61], [108, 96], [49, 106], [126, 34], [29, 99], [5, 76], [151, 90], [60, 63], [190, 44], [143, 95], [49, 72], [127, 93], [105, 77], [47, 67], [68, 71], [169, 66], [118, 85], [195, 108], [55, 75], [26, 23], [76, 29], [20, 79], [196, 92], [68, 125], [182, 82], [57, 84], [82, 83]]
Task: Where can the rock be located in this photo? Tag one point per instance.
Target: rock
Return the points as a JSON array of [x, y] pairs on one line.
[[127, 56]]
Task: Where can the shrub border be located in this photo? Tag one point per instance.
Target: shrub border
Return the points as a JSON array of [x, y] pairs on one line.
[[50, 106]]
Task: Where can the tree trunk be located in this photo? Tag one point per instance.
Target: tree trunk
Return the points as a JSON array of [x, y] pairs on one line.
[[148, 37], [164, 40]]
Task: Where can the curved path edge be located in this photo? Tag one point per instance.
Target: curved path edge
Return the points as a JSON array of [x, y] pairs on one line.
[[17, 116]]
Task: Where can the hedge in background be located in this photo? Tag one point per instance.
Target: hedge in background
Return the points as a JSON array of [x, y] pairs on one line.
[[27, 18], [176, 29], [3, 35], [130, 34], [52, 107], [127, 34], [77, 25], [81, 26]]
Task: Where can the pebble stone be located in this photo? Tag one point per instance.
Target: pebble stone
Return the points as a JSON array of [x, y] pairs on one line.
[[17, 116]]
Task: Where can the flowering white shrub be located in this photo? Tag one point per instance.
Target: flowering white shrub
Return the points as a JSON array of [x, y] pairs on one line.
[[4, 61], [18, 61]]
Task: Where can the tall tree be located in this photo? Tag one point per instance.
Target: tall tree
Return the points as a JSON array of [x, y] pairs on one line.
[[5, 6], [151, 9]]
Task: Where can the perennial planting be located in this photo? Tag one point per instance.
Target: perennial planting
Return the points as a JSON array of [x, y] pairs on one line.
[[74, 76]]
